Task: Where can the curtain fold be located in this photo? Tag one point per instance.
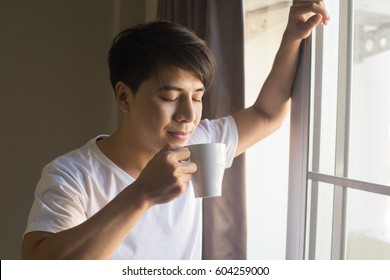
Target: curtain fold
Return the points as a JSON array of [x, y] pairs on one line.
[[221, 24]]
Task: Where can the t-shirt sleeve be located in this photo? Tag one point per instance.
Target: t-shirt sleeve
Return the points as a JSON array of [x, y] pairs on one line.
[[222, 130], [59, 202]]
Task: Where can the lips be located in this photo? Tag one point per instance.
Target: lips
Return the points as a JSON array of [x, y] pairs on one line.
[[180, 135]]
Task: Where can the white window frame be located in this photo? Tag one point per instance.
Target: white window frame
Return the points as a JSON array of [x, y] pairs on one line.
[[299, 143], [299, 146]]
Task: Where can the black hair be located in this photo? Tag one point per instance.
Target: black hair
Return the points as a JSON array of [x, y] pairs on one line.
[[136, 52]]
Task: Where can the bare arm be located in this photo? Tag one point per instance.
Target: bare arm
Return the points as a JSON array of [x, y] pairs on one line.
[[272, 105], [163, 179], [97, 238]]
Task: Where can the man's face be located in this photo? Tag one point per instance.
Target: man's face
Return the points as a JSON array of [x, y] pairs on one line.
[[166, 109]]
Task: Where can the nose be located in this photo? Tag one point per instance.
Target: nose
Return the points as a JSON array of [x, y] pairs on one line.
[[186, 110]]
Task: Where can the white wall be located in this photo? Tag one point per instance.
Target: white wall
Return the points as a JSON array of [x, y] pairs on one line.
[[266, 162], [54, 91]]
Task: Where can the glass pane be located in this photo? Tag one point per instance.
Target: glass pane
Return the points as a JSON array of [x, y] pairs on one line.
[[369, 131], [266, 162], [369, 154], [324, 96], [368, 226], [319, 221]]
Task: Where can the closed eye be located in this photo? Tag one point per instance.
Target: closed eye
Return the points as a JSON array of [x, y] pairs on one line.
[[168, 99], [197, 97], [197, 100], [169, 93]]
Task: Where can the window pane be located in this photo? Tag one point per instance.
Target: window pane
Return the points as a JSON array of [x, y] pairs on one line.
[[324, 97], [369, 120], [319, 225], [368, 226], [369, 152]]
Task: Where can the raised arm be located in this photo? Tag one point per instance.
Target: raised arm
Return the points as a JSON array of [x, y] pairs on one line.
[[272, 105]]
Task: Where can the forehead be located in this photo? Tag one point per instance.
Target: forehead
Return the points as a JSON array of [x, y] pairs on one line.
[[167, 74]]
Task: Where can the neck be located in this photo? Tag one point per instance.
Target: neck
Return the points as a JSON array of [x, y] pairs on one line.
[[126, 152]]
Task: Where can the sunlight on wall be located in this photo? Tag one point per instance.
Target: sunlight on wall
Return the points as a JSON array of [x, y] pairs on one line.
[[267, 162]]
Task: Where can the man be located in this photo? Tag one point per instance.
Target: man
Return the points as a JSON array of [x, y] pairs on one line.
[[129, 195]]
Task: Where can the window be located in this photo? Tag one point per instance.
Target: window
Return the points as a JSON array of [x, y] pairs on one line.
[[344, 187]]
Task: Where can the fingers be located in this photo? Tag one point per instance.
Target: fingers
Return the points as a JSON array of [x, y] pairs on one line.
[[305, 15], [166, 176], [181, 169], [316, 6], [313, 7], [180, 157]]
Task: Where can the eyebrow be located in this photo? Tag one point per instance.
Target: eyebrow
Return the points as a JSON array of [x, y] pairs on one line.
[[170, 87]]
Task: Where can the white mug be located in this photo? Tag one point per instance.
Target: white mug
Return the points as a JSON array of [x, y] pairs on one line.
[[210, 159]]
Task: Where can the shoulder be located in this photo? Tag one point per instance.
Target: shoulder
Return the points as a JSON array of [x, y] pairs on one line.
[[214, 130], [73, 162]]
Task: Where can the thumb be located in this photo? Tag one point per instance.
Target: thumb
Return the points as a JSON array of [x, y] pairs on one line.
[[314, 21], [310, 24]]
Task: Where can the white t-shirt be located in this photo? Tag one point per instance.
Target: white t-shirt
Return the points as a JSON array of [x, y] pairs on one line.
[[78, 184]]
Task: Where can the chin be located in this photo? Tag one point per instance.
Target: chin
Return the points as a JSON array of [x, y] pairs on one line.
[[179, 143]]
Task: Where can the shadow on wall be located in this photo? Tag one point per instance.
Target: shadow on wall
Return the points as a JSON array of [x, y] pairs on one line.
[[55, 93]]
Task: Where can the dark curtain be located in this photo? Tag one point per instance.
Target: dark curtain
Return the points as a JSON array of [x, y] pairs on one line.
[[221, 24]]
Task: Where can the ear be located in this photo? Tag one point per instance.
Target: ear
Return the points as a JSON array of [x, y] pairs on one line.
[[123, 96]]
